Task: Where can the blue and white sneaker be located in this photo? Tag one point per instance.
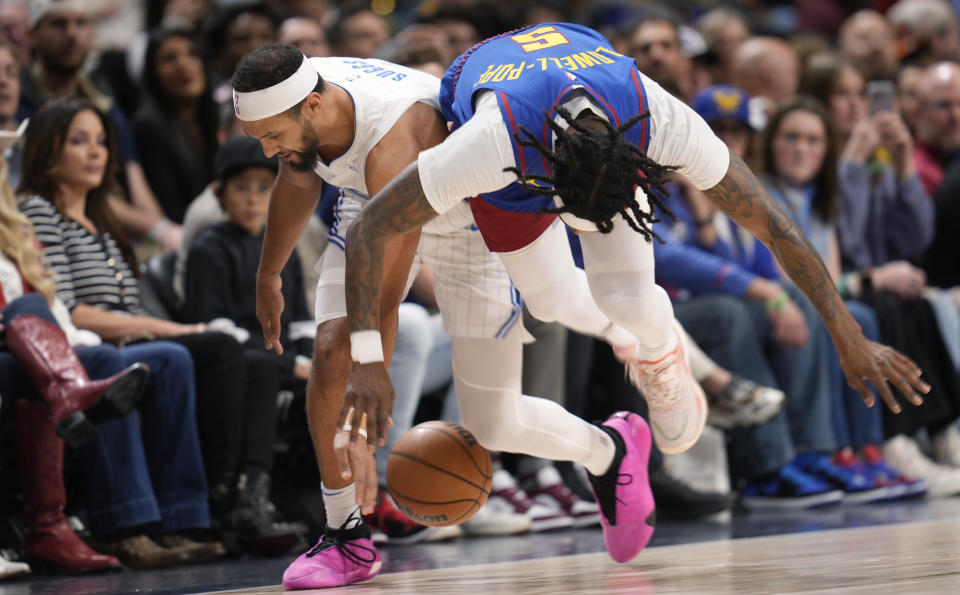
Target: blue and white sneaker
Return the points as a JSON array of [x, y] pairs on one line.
[[902, 487], [788, 488], [857, 487]]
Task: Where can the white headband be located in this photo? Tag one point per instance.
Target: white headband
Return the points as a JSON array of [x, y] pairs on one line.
[[41, 8], [257, 105]]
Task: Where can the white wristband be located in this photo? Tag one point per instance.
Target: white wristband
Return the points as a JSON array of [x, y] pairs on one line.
[[366, 347]]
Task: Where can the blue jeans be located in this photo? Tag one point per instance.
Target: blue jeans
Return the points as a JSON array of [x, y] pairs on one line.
[[855, 424], [804, 374], [134, 475], [724, 329], [407, 371], [948, 321], [421, 364], [149, 471]]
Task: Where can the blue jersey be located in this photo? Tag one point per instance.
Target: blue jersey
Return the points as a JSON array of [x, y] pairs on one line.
[[532, 71]]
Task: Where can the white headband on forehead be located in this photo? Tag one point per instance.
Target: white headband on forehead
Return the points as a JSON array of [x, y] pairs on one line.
[[41, 8], [257, 105]]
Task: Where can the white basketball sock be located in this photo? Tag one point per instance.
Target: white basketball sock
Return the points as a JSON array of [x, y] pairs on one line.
[[602, 452], [340, 505]]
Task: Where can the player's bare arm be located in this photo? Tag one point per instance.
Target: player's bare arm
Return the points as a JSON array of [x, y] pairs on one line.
[[292, 201], [370, 392], [741, 196], [399, 208], [421, 127]]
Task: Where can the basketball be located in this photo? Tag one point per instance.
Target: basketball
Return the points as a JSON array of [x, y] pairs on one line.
[[438, 474]]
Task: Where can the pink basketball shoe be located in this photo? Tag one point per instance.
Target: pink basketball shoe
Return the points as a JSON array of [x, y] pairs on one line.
[[628, 512], [341, 557]]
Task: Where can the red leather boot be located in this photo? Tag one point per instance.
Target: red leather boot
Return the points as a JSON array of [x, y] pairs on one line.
[[47, 536], [42, 349]]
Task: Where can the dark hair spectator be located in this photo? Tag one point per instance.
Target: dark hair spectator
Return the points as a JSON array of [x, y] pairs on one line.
[[654, 42], [358, 31], [62, 35], [117, 462], [222, 263], [884, 214], [306, 34], [867, 38], [824, 179], [724, 30], [237, 29], [236, 398], [176, 127], [466, 25]]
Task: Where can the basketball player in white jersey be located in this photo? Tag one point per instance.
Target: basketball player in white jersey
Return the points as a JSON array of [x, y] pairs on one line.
[[356, 124]]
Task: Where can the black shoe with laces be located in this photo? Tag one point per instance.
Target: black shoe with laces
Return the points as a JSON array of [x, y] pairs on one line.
[[677, 500], [342, 556]]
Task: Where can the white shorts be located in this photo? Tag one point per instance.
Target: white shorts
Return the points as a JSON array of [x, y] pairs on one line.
[[475, 295]]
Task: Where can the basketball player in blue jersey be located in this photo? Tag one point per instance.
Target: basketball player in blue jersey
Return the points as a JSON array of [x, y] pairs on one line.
[[550, 125], [356, 124]]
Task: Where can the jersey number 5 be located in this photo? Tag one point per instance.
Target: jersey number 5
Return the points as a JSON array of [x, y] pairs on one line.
[[540, 39]]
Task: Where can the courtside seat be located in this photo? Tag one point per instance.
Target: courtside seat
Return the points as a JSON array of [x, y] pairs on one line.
[[156, 288]]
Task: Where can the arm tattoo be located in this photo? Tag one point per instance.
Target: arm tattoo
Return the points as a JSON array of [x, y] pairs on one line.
[[741, 196], [399, 208]]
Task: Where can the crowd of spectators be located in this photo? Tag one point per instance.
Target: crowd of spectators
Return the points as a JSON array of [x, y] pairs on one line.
[[147, 204]]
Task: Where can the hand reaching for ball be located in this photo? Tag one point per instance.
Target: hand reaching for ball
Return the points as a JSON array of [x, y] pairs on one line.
[[355, 459], [362, 426]]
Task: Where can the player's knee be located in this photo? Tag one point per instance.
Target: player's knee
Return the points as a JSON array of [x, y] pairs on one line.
[[544, 307], [492, 424], [632, 302], [490, 436], [623, 310]]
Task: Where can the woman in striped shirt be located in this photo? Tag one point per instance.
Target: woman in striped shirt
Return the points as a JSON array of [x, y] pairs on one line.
[[133, 497], [68, 167]]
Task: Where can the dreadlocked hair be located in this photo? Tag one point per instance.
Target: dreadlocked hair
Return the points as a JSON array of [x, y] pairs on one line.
[[596, 173]]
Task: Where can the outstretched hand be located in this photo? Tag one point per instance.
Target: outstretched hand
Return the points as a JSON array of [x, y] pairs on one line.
[[356, 461], [269, 308], [362, 426], [865, 361]]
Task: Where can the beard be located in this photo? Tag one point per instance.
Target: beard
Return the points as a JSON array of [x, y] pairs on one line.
[[306, 160]]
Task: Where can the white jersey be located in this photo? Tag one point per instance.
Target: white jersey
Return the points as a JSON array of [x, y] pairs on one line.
[[381, 93], [473, 289]]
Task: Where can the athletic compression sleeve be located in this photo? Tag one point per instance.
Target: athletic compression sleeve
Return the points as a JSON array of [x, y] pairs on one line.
[[471, 160], [680, 137]]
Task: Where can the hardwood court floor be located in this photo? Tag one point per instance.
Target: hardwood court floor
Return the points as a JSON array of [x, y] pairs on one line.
[[918, 557]]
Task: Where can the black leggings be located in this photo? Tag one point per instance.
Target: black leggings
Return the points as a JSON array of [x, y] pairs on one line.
[[236, 402]]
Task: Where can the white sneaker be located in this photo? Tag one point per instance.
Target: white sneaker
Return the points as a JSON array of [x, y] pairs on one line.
[[546, 487], [497, 517], [443, 533], [744, 403], [946, 446], [9, 568], [506, 496], [903, 455], [678, 407]]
